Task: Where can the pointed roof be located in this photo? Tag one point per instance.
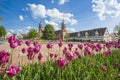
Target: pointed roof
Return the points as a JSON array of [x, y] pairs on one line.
[[40, 25]]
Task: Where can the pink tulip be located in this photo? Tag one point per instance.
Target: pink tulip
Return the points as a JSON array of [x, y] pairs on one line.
[[79, 56], [30, 50], [37, 48], [60, 44], [19, 42], [70, 45], [62, 62], [52, 55], [49, 45], [31, 56], [28, 42], [40, 56], [4, 57], [13, 44], [23, 50], [13, 71], [70, 56], [35, 44], [99, 46], [104, 68], [80, 46], [77, 52], [11, 39]]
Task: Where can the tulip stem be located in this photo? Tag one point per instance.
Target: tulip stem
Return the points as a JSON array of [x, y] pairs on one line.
[[13, 78], [59, 51]]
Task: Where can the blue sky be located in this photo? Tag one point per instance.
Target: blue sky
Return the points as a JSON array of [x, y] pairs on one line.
[[21, 15]]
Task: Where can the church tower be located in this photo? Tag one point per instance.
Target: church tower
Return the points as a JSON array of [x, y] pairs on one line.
[[63, 30], [40, 33]]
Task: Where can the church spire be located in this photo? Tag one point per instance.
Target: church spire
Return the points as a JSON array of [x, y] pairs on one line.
[[63, 23], [40, 26]]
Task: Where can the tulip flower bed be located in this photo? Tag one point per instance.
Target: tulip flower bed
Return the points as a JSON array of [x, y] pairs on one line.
[[87, 61]]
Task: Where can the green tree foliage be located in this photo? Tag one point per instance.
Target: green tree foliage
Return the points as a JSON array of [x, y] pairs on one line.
[[32, 33], [2, 31], [117, 29], [67, 35], [49, 32]]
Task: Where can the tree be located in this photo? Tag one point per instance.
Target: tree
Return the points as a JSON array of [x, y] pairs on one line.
[[32, 33], [117, 29], [67, 35], [2, 31], [49, 32]]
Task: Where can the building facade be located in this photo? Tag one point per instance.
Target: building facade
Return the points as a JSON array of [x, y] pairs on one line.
[[114, 36], [99, 34]]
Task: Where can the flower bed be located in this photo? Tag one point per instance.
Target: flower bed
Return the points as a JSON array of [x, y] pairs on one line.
[[88, 61]]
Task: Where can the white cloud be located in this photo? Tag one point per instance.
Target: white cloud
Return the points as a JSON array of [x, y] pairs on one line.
[[38, 11], [61, 2], [20, 30], [106, 8], [21, 17], [71, 29], [11, 30], [28, 27], [57, 16], [52, 23], [52, 1], [25, 9]]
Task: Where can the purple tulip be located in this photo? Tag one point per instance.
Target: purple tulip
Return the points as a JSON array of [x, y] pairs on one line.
[[77, 52], [30, 50], [35, 44], [99, 46], [70, 45], [49, 45], [80, 46], [4, 57], [19, 42], [65, 50], [79, 56], [23, 50], [108, 52], [37, 48], [70, 56], [28, 42], [13, 42], [104, 68], [40, 56], [31, 56], [13, 71], [62, 62], [14, 45], [60, 44], [11, 39]]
